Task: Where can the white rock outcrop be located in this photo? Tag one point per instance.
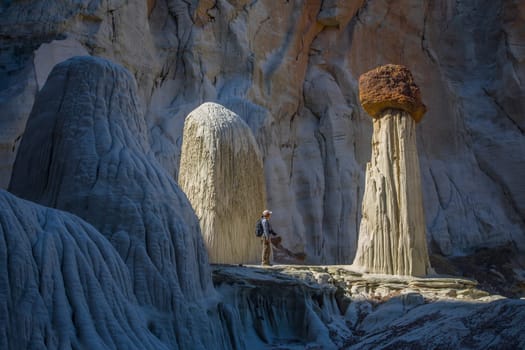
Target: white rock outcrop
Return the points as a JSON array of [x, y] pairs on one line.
[[392, 234], [221, 172]]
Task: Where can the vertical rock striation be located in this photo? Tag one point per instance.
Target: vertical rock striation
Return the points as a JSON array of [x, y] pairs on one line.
[[290, 70], [392, 235], [222, 174]]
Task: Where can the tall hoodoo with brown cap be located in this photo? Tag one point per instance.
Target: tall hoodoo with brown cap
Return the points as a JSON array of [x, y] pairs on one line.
[[392, 235]]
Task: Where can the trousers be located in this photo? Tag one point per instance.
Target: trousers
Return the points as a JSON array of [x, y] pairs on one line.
[[266, 250]]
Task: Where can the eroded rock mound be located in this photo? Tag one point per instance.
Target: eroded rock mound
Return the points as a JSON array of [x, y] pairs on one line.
[[85, 150], [63, 285], [222, 174]]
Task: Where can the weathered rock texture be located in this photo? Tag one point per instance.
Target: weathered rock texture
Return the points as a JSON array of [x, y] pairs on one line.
[[63, 285], [390, 87], [290, 70], [392, 235], [85, 151], [221, 172], [332, 307]]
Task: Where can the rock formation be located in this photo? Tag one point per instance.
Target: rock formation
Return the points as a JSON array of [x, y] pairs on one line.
[[222, 174], [333, 307], [289, 69], [86, 151], [392, 235], [63, 285]]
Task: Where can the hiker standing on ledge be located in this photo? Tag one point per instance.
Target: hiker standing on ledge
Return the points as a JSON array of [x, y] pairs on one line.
[[267, 231]]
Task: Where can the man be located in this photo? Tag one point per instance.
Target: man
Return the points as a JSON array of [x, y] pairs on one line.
[[267, 231]]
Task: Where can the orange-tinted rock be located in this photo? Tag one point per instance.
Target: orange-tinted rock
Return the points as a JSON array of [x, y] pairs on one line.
[[151, 6], [390, 86]]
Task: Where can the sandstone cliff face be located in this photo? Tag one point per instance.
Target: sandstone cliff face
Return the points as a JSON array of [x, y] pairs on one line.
[[289, 69], [457, 51], [221, 172]]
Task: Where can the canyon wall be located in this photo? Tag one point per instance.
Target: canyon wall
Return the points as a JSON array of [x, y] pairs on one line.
[[289, 69]]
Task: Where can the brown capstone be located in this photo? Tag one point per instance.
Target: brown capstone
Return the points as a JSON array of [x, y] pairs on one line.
[[390, 86]]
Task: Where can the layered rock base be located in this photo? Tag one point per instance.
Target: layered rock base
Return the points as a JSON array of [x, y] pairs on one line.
[[337, 307]]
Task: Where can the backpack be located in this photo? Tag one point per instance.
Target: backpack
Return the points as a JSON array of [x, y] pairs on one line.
[[259, 230]]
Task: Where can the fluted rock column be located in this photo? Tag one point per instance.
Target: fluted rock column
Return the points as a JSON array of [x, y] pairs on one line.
[[392, 235], [221, 172]]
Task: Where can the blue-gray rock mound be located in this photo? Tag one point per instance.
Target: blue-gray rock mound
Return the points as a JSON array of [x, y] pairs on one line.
[[85, 150], [63, 285]]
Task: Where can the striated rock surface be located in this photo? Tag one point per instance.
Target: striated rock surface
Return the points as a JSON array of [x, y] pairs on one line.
[[392, 235], [63, 285], [280, 311], [221, 172], [334, 307], [85, 151], [469, 141], [290, 69]]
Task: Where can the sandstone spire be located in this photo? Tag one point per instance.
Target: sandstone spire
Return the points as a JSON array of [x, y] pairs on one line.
[[221, 172], [392, 235]]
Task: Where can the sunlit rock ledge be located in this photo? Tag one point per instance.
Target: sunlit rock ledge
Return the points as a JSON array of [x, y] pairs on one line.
[[354, 283], [335, 307]]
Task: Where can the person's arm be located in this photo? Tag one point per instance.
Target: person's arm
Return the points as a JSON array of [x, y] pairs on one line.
[[270, 229]]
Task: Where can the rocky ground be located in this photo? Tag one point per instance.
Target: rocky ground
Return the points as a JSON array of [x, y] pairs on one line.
[[499, 270], [362, 311]]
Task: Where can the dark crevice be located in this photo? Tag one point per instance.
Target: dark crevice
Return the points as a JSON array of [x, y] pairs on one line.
[[424, 40], [503, 188], [504, 112]]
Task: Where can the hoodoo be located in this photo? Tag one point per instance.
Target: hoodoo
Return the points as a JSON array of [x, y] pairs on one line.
[[392, 235], [222, 174]]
